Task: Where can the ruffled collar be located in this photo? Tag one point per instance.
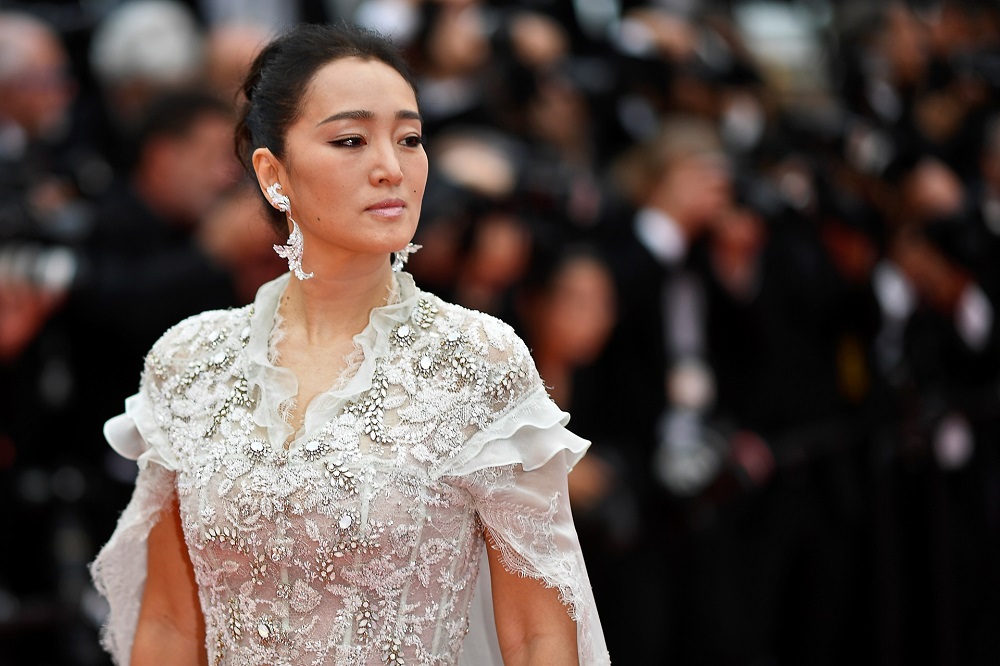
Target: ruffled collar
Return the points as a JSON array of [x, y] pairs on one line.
[[277, 385]]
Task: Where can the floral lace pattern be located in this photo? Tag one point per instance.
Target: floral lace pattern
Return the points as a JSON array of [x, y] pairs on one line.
[[360, 541]]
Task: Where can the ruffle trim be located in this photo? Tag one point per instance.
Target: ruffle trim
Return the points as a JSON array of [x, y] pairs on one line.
[[277, 385], [529, 434], [135, 435]]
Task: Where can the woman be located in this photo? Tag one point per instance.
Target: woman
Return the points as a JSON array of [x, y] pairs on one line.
[[568, 309], [319, 471]]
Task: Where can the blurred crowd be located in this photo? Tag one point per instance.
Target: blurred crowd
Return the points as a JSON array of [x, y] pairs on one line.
[[753, 246]]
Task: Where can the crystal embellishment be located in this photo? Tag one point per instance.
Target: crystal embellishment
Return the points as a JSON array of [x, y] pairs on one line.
[[239, 397], [279, 200], [340, 476], [365, 618], [315, 449], [256, 449], [464, 366], [267, 630], [371, 408], [225, 535], [292, 251], [258, 568], [402, 256], [233, 618], [426, 366], [392, 653], [403, 334], [326, 568], [424, 313]]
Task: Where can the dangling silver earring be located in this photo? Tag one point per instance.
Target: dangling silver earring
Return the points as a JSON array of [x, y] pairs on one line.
[[278, 200], [400, 257], [292, 251]]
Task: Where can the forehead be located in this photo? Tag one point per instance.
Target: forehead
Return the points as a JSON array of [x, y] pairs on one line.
[[206, 131], [24, 48], [211, 122], [356, 84], [581, 268]]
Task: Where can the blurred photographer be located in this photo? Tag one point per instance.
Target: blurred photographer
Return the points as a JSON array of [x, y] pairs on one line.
[[76, 322]]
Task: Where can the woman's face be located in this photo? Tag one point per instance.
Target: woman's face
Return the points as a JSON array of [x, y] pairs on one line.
[[578, 311], [354, 167]]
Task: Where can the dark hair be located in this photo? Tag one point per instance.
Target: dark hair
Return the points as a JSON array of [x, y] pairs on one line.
[[282, 71], [172, 115], [551, 256]]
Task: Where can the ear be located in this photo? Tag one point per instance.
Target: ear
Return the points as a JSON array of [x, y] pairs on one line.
[[268, 168]]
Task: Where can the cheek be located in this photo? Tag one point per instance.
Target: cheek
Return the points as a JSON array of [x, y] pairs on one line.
[[416, 172], [330, 188], [584, 320]]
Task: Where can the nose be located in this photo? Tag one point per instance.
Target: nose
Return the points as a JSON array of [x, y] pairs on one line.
[[386, 167]]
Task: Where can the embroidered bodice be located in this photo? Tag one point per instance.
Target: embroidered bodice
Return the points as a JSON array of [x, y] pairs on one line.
[[357, 539]]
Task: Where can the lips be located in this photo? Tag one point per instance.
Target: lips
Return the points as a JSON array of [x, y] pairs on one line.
[[387, 208]]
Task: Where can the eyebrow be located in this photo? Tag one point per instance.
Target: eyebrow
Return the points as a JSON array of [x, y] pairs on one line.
[[369, 115]]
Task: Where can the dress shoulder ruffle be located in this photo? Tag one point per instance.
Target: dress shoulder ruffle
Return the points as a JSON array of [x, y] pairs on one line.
[[119, 571], [516, 470], [528, 428]]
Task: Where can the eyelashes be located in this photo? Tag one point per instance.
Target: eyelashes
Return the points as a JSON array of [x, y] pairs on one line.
[[348, 142], [411, 141]]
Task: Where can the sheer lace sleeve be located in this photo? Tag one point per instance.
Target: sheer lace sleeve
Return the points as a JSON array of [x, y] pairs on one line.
[[119, 571], [527, 517], [515, 469]]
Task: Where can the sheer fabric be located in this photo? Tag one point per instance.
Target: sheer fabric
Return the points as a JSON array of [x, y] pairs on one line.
[[359, 538]]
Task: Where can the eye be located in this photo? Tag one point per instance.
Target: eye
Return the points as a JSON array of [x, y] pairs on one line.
[[413, 141], [349, 142]]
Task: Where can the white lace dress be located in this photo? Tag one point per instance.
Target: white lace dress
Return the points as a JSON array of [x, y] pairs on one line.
[[361, 541]]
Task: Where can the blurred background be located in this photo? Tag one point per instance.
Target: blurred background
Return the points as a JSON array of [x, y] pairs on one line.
[[754, 247]]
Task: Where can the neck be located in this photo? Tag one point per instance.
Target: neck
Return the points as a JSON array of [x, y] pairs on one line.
[[335, 304]]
